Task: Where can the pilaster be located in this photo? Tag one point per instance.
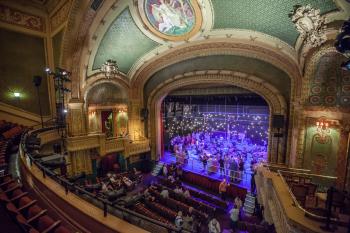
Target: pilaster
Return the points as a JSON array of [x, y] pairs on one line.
[[76, 119]]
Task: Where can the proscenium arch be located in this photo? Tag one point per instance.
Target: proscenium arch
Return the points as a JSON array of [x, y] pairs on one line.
[[276, 102], [217, 47]]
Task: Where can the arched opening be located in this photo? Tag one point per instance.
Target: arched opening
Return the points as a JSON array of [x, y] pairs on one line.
[[106, 105], [275, 104], [218, 130]]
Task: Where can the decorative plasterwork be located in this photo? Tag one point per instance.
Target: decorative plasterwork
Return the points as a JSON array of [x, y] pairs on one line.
[[252, 83], [310, 24], [60, 16], [215, 47], [311, 68], [19, 18]]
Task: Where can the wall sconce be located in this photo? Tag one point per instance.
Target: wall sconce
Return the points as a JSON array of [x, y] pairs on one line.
[[17, 94], [323, 130]]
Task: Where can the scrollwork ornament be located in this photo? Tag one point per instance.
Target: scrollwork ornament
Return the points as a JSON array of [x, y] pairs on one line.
[[310, 24]]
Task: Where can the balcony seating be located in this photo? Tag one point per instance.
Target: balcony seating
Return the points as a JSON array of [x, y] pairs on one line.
[[198, 194], [300, 192], [212, 184], [30, 216], [141, 208], [206, 208]]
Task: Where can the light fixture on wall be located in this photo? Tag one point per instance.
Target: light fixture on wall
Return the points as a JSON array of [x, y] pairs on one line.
[[17, 94], [323, 130], [109, 68]]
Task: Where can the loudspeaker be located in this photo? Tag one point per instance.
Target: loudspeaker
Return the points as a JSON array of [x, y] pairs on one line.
[[37, 80], [144, 113], [277, 121]]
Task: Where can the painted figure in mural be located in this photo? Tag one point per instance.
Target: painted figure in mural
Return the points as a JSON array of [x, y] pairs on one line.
[[172, 17]]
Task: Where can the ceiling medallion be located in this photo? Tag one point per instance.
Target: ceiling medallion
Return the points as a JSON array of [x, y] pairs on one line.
[[173, 20]]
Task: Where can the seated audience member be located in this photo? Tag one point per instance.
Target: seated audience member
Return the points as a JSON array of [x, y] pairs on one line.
[[234, 216], [214, 226], [136, 175], [187, 193], [152, 186], [104, 187], [179, 171], [171, 179], [178, 190], [179, 220], [127, 181], [172, 169], [164, 193], [238, 202], [188, 222], [146, 193], [165, 171]]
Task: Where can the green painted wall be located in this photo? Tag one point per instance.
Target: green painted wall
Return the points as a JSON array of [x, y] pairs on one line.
[[270, 17], [321, 158], [22, 57], [56, 46], [123, 42], [330, 85]]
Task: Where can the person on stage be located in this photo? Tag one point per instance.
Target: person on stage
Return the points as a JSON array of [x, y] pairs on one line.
[[204, 161], [223, 188], [222, 165]]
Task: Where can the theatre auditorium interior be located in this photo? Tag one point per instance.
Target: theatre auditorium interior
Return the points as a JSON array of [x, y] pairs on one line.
[[169, 116]]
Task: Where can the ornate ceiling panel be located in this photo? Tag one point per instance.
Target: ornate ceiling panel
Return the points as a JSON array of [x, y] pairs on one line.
[[271, 18], [123, 42], [271, 74]]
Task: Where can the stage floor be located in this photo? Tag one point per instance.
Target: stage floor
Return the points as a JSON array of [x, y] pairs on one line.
[[197, 167]]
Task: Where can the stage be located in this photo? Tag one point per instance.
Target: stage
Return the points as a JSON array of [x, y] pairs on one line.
[[196, 166]]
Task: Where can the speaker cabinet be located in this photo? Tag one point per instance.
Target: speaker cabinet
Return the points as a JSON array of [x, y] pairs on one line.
[[277, 121]]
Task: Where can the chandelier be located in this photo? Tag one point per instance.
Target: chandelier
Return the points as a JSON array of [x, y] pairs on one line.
[[323, 130], [110, 68]]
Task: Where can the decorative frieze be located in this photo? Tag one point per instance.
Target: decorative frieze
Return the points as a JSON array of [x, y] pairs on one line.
[[22, 19]]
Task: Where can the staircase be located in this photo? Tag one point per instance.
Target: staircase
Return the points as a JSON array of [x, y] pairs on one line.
[[249, 204], [157, 168]]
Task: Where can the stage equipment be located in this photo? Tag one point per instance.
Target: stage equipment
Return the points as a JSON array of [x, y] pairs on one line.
[[278, 123], [37, 83], [61, 77], [110, 68]]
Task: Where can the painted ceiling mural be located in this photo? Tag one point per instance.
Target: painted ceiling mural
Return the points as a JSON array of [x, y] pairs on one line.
[[132, 37], [173, 18]]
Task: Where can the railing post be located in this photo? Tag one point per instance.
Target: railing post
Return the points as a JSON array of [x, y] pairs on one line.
[[104, 209], [329, 210], [66, 188], [44, 174]]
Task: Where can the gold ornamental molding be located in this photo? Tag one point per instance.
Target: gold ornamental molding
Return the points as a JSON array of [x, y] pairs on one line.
[[216, 47]]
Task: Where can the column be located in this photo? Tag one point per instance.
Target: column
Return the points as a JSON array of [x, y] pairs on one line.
[[76, 119], [134, 122]]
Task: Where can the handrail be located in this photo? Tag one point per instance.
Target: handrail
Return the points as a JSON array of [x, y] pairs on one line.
[[309, 174], [296, 203], [76, 189]]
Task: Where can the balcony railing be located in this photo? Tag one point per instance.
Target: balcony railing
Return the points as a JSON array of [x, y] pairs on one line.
[[106, 206]]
